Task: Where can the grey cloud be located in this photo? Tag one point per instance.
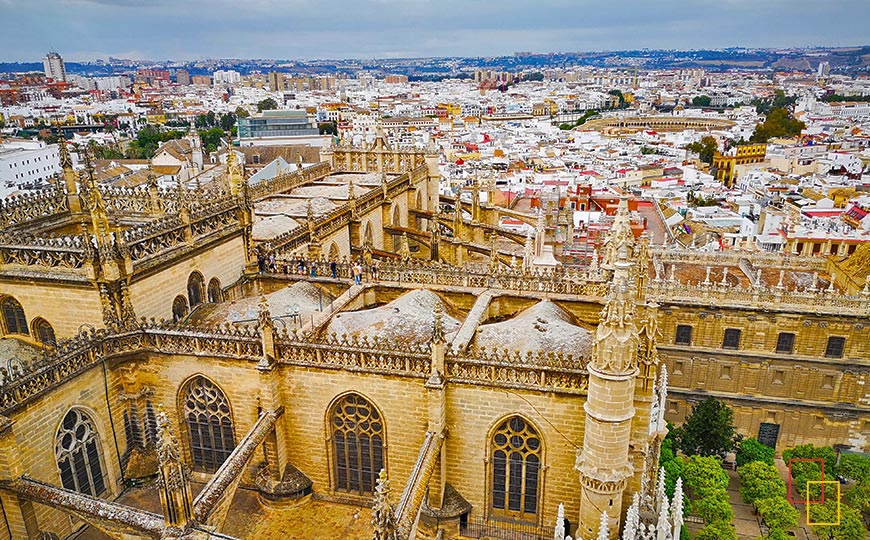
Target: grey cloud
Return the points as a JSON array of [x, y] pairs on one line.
[[366, 28]]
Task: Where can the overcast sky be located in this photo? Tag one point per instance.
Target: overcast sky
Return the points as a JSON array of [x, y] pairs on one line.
[[288, 29]]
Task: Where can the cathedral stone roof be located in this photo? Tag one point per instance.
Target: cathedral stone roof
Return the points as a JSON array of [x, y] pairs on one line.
[[544, 326], [408, 319]]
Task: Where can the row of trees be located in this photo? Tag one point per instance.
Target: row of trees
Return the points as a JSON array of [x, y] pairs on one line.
[[841, 514], [708, 433]]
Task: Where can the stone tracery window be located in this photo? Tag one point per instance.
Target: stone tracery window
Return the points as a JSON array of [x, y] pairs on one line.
[[209, 424], [358, 444], [77, 452], [14, 320], [516, 456]]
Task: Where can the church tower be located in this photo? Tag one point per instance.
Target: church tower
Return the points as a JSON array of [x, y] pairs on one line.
[[604, 463]]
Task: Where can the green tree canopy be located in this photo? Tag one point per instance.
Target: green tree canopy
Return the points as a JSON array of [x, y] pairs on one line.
[[779, 123], [242, 112], [718, 530], [267, 104], [779, 100], [751, 450], [714, 507], [211, 139], [702, 101], [148, 140], [704, 473], [777, 512], [227, 121], [705, 148], [849, 527], [327, 128], [758, 480], [809, 451], [708, 431]]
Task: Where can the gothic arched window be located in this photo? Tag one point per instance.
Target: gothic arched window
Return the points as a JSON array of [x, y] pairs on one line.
[[209, 422], [13, 316], [215, 294], [77, 449], [43, 331], [194, 289], [358, 444], [179, 308], [516, 469]]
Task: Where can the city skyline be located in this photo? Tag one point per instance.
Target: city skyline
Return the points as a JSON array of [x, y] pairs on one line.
[[301, 29]]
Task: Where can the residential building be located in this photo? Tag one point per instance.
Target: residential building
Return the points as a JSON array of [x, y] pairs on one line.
[[54, 67]]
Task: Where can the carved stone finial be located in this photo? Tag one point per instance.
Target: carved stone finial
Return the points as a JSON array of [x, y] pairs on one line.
[[559, 531], [405, 249], [65, 159], [438, 325], [264, 316], [620, 238], [167, 444], [677, 510], [383, 519], [632, 519], [175, 494]]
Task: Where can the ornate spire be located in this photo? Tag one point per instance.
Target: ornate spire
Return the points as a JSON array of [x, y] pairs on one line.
[[559, 532], [264, 317], [65, 159], [528, 251], [662, 397], [540, 233], [632, 519], [438, 324], [661, 496], [603, 529], [173, 478], [663, 526], [405, 249], [234, 172], [493, 253], [677, 510], [383, 520], [616, 337], [620, 240]]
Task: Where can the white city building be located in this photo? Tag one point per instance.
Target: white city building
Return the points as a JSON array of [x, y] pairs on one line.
[[26, 164], [226, 77], [53, 66]]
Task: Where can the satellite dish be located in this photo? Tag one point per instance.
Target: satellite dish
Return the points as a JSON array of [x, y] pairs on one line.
[[234, 316]]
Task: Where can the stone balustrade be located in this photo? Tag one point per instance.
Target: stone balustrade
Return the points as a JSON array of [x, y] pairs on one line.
[[767, 298], [288, 181], [21, 382], [31, 206]]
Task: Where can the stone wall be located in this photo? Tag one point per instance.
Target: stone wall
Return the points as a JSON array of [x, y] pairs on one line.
[[65, 306], [152, 295]]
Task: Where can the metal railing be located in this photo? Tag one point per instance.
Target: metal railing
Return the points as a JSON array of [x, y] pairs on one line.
[[502, 530]]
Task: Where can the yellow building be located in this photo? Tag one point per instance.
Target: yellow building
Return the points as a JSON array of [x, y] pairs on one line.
[[726, 164]]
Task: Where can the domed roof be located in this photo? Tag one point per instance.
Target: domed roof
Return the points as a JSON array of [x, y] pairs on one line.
[[544, 326]]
